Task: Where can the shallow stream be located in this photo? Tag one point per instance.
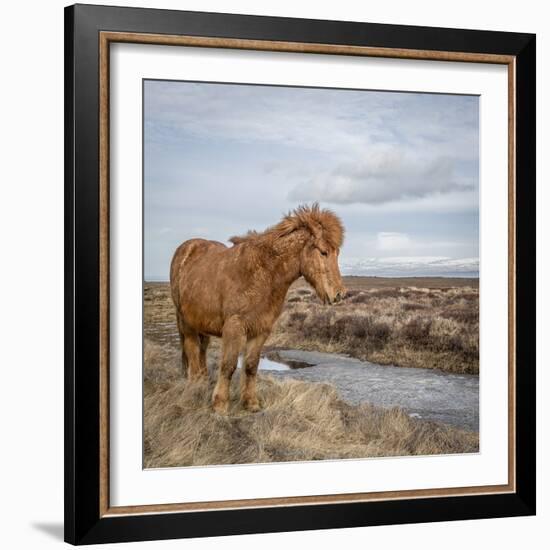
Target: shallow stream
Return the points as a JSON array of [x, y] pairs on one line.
[[424, 393]]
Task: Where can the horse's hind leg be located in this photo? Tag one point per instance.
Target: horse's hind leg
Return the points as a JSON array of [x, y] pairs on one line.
[[183, 357], [249, 399], [191, 351], [192, 348], [204, 341], [184, 362], [233, 338]]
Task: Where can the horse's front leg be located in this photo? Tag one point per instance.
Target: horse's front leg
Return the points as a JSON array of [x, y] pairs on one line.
[[249, 399], [233, 338]]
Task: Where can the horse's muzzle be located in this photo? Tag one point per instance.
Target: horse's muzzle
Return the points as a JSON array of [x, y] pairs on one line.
[[338, 297]]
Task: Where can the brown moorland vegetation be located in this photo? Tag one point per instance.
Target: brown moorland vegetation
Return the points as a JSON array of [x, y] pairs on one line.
[[300, 421], [408, 326]]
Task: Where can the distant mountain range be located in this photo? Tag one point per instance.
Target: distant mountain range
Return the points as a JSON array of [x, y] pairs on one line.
[[411, 266]]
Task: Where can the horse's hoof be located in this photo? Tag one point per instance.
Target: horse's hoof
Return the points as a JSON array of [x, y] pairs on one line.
[[220, 407], [252, 406]]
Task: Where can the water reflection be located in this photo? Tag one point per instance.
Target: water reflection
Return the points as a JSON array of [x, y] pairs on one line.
[[267, 363]]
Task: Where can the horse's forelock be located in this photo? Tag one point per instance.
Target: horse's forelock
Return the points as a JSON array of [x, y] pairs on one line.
[[322, 221]]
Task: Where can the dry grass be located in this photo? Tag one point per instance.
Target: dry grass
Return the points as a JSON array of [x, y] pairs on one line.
[[300, 421]]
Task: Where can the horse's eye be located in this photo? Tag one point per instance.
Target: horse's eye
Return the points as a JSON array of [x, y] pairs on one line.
[[324, 253]]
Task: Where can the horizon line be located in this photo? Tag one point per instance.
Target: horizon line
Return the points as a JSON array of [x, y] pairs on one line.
[[155, 279]]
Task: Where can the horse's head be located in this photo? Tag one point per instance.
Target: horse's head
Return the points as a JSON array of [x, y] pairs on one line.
[[319, 266], [319, 259]]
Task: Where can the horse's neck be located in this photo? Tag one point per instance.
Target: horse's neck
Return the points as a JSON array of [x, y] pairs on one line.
[[286, 260]]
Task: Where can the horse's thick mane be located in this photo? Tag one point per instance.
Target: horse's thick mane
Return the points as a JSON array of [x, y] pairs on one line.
[[322, 223]]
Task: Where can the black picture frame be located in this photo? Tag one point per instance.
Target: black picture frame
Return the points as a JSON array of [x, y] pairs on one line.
[[83, 522]]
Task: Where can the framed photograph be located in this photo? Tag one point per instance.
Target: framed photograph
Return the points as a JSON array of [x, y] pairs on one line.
[[300, 274]]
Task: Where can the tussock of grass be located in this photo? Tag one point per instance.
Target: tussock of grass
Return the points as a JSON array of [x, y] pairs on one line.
[[300, 421]]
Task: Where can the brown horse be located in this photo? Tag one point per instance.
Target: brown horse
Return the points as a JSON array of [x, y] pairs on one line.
[[238, 292]]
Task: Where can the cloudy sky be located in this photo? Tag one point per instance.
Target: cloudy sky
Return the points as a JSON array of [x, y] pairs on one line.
[[400, 169]]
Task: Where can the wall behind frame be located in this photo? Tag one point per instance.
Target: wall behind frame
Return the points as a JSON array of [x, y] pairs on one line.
[[31, 274]]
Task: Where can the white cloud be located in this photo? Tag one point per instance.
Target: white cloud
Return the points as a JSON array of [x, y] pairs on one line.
[[382, 177]]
